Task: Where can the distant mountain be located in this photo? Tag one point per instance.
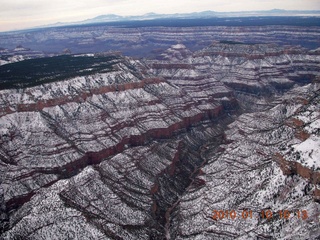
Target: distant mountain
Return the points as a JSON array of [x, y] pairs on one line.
[[194, 15]]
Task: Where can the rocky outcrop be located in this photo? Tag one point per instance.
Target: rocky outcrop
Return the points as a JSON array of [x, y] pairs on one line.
[[294, 159], [148, 149], [148, 40], [53, 131], [256, 69], [291, 167], [244, 177], [40, 104]]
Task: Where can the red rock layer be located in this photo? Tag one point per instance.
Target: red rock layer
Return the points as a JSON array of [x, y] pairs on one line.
[[81, 97], [292, 167]]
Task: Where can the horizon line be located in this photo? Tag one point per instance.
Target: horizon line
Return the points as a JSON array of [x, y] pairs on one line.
[[50, 25]]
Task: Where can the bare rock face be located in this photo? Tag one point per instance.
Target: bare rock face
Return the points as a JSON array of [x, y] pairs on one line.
[[145, 39], [300, 157], [246, 173], [247, 180], [259, 69], [53, 131], [148, 149]]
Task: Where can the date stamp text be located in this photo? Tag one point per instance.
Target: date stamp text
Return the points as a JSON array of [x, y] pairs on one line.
[[263, 214]]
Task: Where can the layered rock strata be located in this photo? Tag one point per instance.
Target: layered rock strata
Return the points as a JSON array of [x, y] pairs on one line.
[[142, 150], [247, 180], [53, 131], [149, 40]]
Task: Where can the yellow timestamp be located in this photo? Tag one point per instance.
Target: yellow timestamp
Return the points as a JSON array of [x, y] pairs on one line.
[[263, 214]]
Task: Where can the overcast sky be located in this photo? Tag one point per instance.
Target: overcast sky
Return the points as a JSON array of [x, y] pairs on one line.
[[19, 14]]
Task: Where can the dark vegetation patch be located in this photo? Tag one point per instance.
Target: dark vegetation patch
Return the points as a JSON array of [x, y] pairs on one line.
[[33, 72], [232, 42]]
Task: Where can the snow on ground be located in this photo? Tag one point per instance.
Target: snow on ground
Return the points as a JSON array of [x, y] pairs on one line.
[[178, 46], [309, 152]]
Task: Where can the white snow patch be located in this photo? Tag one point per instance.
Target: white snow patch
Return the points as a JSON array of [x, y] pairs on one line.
[[310, 152], [314, 126], [178, 46]]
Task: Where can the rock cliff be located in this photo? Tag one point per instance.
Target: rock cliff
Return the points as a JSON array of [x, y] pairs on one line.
[[148, 149]]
